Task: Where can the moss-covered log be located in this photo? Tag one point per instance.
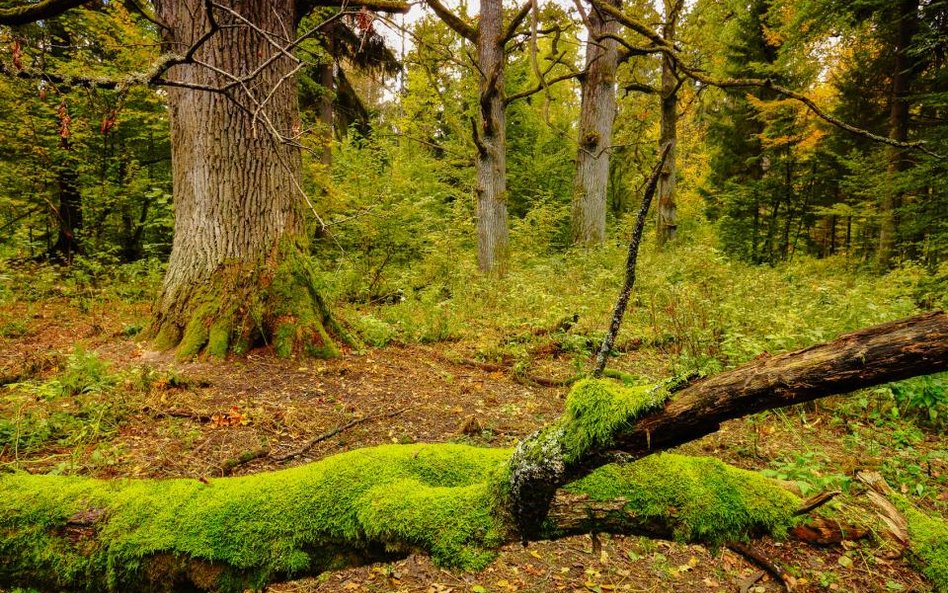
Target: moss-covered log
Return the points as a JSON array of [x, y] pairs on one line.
[[72, 533], [602, 425], [456, 503]]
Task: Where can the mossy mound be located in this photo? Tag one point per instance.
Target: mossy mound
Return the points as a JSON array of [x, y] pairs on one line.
[[296, 521], [598, 410], [698, 499], [928, 537], [273, 301]]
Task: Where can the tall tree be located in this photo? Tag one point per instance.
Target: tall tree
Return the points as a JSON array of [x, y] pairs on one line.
[[490, 36], [667, 209], [239, 272], [597, 115], [904, 13]]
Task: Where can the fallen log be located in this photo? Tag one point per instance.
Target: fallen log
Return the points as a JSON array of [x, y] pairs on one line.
[[601, 427], [458, 504]]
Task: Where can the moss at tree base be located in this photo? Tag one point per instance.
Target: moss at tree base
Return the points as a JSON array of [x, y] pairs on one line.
[[275, 302]]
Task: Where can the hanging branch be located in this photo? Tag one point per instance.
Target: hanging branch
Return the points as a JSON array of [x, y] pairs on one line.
[[623, 300]]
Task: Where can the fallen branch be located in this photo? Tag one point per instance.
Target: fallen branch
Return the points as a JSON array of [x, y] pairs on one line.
[[459, 504], [752, 555], [637, 422], [329, 434]]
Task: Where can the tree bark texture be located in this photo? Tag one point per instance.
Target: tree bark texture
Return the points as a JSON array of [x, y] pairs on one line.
[[666, 207], [491, 139], [237, 195], [596, 116]]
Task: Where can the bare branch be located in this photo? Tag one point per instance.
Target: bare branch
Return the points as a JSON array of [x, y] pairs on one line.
[[542, 85], [456, 23], [515, 22], [622, 302], [30, 13]]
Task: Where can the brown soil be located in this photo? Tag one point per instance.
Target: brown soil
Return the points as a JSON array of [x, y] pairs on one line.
[[197, 418]]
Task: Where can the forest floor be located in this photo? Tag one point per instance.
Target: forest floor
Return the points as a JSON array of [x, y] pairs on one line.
[[148, 415]]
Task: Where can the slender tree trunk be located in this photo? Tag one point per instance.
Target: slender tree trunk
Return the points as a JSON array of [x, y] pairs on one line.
[[68, 215], [898, 160], [491, 140], [667, 209], [597, 114], [327, 80], [238, 272]]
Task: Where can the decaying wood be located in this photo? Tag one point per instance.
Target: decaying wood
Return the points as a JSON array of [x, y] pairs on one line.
[[888, 352], [891, 516]]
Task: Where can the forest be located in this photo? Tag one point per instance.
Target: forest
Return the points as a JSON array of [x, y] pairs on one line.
[[440, 297]]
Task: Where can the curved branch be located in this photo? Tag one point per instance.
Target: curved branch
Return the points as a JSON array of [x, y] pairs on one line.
[[30, 13], [456, 23], [515, 22]]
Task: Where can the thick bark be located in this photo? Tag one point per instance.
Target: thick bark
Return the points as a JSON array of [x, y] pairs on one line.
[[667, 209], [491, 139], [890, 352], [596, 116], [237, 196]]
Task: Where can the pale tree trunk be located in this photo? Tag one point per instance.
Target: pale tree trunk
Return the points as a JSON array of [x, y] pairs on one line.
[[238, 273], [898, 161], [491, 140], [666, 206], [597, 114], [327, 80]]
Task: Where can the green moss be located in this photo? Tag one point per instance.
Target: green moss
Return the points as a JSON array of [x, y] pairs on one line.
[[598, 410], [699, 499], [167, 337], [197, 331], [928, 538], [218, 338], [280, 523]]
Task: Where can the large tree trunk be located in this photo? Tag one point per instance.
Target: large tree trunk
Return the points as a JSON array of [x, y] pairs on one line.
[[596, 116], [491, 140], [666, 207], [450, 501], [238, 273]]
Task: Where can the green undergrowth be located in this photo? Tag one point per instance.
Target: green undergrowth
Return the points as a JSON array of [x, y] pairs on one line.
[[699, 499], [928, 537], [698, 309], [78, 405]]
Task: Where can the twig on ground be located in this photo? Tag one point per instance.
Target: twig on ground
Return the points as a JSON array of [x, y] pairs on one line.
[[329, 434], [754, 556], [750, 581], [816, 501]]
